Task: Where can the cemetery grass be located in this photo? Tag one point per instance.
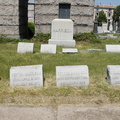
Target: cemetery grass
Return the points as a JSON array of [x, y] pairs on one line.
[[99, 92]]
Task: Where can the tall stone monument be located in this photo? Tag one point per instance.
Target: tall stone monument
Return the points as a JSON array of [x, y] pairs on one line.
[[13, 18], [62, 33]]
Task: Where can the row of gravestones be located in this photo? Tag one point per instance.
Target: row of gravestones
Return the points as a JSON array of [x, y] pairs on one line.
[[77, 76], [51, 48]]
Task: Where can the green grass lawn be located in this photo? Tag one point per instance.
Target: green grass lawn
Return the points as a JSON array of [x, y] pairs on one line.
[[98, 92]]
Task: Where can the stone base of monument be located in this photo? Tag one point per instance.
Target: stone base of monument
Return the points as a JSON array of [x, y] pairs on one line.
[[65, 43]]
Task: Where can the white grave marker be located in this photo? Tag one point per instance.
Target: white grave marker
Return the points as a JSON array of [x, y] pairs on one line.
[[70, 50], [112, 48], [72, 76], [48, 48], [113, 74], [27, 76], [25, 47], [62, 33]]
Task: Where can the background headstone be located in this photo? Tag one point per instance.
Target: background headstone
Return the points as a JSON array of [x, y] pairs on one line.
[[94, 50], [48, 48], [113, 74], [25, 47], [62, 33], [72, 76], [70, 50], [27, 76], [112, 48]]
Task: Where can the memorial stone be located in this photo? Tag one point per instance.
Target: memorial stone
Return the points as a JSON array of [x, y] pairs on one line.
[[112, 48], [113, 74], [72, 76], [100, 30], [62, 33], [48, 48], [25, 47], [94, 50], [27, 76], [70, 50], [104, 27]]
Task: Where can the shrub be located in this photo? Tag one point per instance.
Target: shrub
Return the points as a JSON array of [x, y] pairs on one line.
[[31, 29]]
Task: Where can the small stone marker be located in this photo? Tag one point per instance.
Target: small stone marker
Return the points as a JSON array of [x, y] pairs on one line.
[[25, 47], [27, 76], [72, 76], [94, 50], [62, 33], [112, 48], [48, 48], [70, 50], [113, 74]]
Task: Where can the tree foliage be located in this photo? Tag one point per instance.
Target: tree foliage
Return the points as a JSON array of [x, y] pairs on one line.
[[116, 14], [101, 18]]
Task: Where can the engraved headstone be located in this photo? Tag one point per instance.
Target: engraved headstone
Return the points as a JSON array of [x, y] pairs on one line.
[[62, 33], [27, 76], [70, 50], [113, 74], [112, 48], [48, 48], [72, 76], [25, 47]]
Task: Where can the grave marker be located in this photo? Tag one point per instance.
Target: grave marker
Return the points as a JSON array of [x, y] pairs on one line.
[[72, 76], [70, 50], [112, 48], [27, 76]]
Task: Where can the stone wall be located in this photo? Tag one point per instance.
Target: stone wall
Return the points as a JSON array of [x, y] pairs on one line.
[[81, 13], [13, 22]]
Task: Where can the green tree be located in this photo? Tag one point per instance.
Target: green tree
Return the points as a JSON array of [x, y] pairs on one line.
[[101, 18], [116, 14]]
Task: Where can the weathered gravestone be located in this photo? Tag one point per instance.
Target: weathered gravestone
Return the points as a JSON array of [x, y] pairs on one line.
[[25, 47], [113, 74], [27, 76], [62, 33], [104, 27], [112, 48], [100, 30], [72, 76], [48, 48], [94, 50], [70, 50]]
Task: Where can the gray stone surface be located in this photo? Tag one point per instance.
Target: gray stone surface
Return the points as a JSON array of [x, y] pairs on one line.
[[112, 48], [88, 113], [27, 113], [94, 50], [103, 37], [27, 76], [48, 48], [72, 76], [25, 47], [70, 50], [113, 74]]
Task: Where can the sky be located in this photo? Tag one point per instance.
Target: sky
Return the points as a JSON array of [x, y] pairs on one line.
[[103, 2]]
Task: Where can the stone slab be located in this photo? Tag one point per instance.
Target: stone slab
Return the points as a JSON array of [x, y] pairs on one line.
[[103, 37], [27, 76], [25, 47], [112, 48], [72, 76], [77, 112], [113, 74], [70, 50], [27, 113], [48, 48], [94, 50]]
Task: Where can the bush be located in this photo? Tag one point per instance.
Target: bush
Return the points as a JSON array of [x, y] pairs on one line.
[[87, 37], [31, 29]]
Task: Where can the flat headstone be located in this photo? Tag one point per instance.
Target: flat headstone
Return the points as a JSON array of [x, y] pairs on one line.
[[48, 48], [112, 48], [110, 36], [72, 76], [62, 33], [70, 50], [94, 50], [113, 74], [102, 37], [25, 47], [27, 76]]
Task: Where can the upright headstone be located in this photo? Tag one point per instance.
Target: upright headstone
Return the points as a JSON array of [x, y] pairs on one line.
[[113, 74], [48, 48], [100, 30], [25, 47], [105, 28], [62, 33], [27, 76], [112, 48], [72, 76]]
